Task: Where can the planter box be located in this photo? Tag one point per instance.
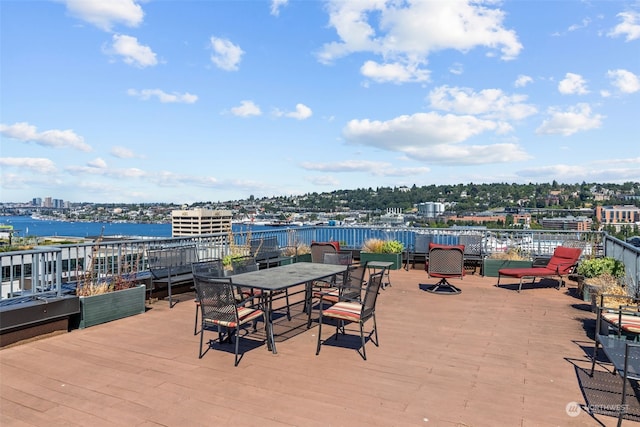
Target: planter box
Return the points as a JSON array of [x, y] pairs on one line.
[[396, 259], [303, 258], [96, 309], [490, 267]]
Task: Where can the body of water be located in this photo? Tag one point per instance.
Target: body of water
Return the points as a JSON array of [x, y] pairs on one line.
[[25, 226]]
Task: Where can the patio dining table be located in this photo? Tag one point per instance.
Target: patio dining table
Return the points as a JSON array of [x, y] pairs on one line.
[[272, 280]]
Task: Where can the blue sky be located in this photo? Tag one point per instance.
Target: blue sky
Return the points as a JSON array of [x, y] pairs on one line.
[[183, 101]]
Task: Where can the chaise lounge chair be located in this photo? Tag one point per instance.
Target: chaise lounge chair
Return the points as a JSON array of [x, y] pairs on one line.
[[562, 263]]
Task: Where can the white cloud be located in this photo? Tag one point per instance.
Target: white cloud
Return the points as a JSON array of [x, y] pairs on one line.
[[346, 166], [367, 166], [276, 5], [323, 180], [246, 109], [489, 103], [23, 131], [394, 72], [35, 164], [302, 112], [122, 152], [625, 81], [145, 94], [523, 80], [629, 27], [432, 137], [407, 32], [105, 14], [98, 167], [456, 68], [573, 84], [97, 163], [612, 170], [584, 24], [575, 119], [226, 55], [132, 52]]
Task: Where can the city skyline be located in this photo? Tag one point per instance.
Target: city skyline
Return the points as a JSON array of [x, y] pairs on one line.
[[165, 101]]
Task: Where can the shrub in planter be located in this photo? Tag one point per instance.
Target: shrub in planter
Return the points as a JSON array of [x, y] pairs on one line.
[[382, 250], [597, 266], [603, 276]]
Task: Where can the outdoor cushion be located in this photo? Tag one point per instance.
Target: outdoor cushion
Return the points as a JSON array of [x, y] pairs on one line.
[[349, 311], [245, 314], [630, 322]]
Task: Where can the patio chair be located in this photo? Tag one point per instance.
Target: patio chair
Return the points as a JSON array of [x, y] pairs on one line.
[[209, 268], [350, 311], [220, 309], [445, 262], [318, 249], [562, 263], [338, 285], [623, 353]]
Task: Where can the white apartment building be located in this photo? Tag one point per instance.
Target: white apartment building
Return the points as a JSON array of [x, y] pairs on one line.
[[199, 221]]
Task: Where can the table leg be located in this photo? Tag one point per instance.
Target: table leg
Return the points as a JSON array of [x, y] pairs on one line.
[[271, 341]]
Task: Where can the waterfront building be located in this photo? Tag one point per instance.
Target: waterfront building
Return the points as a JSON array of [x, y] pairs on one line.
[[199, 221]]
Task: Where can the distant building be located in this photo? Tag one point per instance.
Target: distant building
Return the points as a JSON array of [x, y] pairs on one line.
[[524, 220], [618, 215], [393, 216], [199, 221], [580, 223], [430, 209]]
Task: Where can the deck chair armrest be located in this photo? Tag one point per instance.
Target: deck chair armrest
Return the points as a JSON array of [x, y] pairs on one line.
[[565, 266]]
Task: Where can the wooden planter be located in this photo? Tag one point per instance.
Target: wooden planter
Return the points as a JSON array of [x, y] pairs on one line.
[[396, 259], [490, 267], [96, 309]]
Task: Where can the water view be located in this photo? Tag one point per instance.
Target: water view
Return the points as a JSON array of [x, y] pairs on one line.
[[25, 226]]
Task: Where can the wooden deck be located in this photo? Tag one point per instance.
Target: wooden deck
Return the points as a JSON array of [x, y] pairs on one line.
[[487, 357]]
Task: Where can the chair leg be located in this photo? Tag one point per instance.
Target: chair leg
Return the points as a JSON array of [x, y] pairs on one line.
[[319, 332], [364, 351], [195, 326], [375, 331], [200, 354], [237, 344], [595, 355]]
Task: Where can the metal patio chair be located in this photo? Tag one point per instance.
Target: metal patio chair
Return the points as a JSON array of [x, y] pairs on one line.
[[220, 310], [348, 311], [445, 262], [208, 268]]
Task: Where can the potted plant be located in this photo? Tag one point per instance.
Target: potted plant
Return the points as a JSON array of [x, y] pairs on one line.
[[109, 297], [382, 250], [511, 258], [598, 276], [300, 252]]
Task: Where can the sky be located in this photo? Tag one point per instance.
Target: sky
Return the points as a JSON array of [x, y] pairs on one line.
[[167, 101]]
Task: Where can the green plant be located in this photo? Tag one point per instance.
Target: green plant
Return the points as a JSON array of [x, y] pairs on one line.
[[379, 246], [392, 247], [598, 266]]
